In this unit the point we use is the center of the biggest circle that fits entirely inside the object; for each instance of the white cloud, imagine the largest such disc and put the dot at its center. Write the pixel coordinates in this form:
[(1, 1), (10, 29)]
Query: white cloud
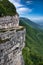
[(29, 2), (16, 0), (23, 10), (36, 19), (17, 4)]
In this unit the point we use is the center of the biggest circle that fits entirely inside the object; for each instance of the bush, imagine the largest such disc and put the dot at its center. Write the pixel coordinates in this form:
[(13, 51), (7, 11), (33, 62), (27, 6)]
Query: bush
[(7, 8)]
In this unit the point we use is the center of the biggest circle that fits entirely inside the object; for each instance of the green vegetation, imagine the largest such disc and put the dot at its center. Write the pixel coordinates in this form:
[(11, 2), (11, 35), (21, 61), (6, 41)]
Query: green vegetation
[(32, 58), (33, 51), (7, 8)]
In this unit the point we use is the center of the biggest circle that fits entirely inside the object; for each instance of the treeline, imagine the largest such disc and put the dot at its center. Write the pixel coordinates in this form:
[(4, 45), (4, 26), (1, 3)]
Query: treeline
[(33, 51), (7, 8), (31, 58)]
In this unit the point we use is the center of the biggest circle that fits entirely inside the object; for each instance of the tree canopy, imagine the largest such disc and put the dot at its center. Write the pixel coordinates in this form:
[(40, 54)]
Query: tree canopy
[(7, 8)]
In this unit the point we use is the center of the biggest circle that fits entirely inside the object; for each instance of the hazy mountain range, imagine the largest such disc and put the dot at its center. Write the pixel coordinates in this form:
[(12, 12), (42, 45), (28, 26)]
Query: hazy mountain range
[(33, 51), (38, 25)]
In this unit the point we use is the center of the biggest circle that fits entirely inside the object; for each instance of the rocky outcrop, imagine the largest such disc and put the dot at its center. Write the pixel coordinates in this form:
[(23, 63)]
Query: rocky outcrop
[(9, 21), (12, 41)]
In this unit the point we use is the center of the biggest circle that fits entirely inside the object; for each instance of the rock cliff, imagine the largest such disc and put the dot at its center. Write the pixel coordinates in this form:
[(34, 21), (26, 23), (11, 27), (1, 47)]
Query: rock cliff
[(12, 36)]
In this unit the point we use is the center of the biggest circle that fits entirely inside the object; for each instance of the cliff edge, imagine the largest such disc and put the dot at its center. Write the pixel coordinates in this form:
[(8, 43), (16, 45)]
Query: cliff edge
[(12, 36)]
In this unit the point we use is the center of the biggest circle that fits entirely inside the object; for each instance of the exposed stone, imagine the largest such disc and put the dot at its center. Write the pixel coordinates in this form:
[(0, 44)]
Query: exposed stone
[(11, 50)]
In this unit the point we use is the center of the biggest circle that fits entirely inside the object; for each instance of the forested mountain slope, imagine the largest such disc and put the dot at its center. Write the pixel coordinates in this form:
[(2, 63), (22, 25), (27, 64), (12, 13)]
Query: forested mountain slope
[(33, 51)]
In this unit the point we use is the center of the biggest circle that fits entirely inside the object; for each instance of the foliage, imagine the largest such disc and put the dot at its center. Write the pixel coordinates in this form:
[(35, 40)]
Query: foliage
[(33, 52), (7, 8), (31, 58)]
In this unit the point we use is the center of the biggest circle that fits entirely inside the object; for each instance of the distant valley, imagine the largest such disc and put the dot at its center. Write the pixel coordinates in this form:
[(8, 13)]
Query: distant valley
[(33, 51), (33, 24), (41, 24)]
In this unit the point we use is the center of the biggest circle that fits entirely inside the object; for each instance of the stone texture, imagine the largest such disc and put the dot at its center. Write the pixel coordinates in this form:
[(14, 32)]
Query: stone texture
[(11, 50)]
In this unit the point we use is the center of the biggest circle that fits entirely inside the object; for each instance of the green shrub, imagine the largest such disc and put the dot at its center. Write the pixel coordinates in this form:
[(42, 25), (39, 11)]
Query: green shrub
[(7, 8)]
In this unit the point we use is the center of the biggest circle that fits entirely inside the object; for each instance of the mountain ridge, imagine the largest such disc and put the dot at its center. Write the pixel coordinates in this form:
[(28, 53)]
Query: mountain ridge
[(31, 23), (33, 51)]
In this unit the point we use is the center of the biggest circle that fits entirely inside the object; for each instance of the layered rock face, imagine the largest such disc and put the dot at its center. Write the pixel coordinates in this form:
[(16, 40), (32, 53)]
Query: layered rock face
[(9, 21), (12, 41)]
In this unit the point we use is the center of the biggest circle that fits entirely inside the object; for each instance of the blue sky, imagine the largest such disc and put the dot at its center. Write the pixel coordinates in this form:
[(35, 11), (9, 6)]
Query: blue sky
[(32, 9)]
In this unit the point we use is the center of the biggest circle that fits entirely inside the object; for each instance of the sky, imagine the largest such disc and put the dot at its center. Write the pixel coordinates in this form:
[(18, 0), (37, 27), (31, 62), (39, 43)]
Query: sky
[(31, 9)]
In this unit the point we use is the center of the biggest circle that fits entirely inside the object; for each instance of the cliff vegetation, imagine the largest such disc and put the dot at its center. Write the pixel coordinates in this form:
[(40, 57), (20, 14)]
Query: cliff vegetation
[(7, 8)]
